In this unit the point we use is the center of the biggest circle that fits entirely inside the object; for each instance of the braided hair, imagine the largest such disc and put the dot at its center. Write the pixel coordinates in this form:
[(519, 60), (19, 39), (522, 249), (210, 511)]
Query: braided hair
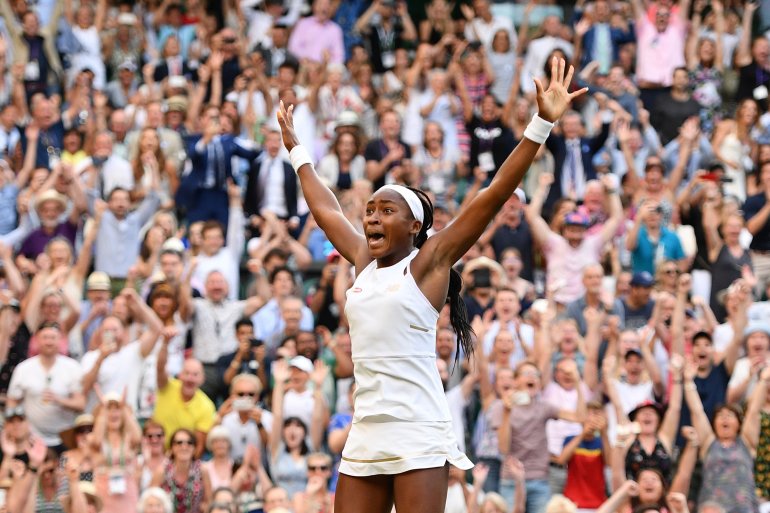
[(458, 313)]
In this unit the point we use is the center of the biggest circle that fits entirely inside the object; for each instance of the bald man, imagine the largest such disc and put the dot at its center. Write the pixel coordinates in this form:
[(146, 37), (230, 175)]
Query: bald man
[(593, 276), (181, 403)]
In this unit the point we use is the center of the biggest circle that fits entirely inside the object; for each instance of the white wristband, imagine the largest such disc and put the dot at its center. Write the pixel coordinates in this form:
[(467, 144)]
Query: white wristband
[(299, 156), (538, 129)]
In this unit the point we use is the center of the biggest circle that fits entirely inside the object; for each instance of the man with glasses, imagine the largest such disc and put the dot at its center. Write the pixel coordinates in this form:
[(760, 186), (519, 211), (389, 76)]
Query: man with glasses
[(317, 491), (244, 416)]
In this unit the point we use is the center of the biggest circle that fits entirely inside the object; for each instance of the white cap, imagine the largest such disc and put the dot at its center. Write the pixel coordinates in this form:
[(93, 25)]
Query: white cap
[(302, 363)]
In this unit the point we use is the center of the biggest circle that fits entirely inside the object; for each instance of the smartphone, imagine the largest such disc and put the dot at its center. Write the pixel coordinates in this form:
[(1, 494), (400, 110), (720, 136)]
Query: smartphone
[(255, 342), (243, 404), (711, 177), (521, 398)]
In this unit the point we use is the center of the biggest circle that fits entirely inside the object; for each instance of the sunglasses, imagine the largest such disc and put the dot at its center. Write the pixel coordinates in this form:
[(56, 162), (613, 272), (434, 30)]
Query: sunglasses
[(246, 394), (83, 430), (318, 468), (184, 442), (154, 436), (671, 271)]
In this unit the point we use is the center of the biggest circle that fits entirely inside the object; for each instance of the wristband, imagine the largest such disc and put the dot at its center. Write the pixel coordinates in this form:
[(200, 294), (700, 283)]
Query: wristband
[(538, 129), (299, 156)]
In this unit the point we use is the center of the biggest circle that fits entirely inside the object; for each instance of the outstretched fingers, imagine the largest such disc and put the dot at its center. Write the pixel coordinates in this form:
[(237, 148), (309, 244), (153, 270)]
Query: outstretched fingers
[(577, 93), (560, 76), (568, 79)]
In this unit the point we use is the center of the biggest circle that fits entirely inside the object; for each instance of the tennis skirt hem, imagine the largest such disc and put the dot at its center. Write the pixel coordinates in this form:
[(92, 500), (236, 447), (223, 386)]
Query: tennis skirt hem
[(376, 448)]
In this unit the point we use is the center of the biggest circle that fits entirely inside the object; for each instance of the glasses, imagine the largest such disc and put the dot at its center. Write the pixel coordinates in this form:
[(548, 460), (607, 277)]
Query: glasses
[(245, 394), (184, 442), (318, 468), (154, 436), (83, 430), (671, 271)]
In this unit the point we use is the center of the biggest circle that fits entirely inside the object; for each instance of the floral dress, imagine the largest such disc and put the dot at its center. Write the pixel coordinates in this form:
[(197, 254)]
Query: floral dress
[(187, 496), (705, 83), (728, 478), (762, 461)]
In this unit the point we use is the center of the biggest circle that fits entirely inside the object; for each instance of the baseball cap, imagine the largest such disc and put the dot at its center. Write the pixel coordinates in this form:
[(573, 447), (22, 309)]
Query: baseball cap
[(756, 327), (642, 279), (127, 64), (302, 363), (576, 219)]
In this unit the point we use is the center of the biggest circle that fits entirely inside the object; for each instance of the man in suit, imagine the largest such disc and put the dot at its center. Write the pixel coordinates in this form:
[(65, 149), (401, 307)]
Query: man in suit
[(173, 64), (270, 173), (204, 189), (573, 155), (597, 40)]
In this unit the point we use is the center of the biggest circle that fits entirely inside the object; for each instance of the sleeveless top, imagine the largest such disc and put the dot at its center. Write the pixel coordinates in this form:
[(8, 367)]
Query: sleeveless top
[(728, 478), (637, 460), (289, 473), (393, 337), (762, 461), (187, 496), (725, 270)]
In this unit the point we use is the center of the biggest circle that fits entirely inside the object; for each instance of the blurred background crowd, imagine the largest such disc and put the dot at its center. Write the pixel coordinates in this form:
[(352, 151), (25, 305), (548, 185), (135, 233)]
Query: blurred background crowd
[(172, 327)]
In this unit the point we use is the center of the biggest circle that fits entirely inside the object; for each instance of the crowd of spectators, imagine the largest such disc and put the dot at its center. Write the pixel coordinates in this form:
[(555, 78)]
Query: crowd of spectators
[(172, 326)]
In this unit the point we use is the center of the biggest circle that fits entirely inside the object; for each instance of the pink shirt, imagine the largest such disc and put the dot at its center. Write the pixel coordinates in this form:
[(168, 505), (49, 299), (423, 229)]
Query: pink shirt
[(310, 39), (565, 265), (658, 54)]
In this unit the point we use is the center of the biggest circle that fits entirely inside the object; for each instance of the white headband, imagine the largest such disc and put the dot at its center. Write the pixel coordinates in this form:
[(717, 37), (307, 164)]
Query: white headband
[(415, 205)]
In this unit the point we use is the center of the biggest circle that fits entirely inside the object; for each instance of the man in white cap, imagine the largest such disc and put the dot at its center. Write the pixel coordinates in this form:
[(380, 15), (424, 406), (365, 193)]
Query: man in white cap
[(50, 206), (124, 86), (96, 306)]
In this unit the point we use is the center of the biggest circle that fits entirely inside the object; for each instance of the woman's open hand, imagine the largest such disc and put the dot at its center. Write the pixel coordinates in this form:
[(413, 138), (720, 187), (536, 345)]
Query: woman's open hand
[(554, 101), (286, 122)]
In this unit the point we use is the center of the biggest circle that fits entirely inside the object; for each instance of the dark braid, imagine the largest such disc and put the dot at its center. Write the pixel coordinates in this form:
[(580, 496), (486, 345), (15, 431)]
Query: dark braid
[(458, 313)]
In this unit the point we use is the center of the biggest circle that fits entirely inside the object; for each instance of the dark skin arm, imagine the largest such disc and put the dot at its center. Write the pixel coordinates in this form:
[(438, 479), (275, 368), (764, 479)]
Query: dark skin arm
[(431, 266)]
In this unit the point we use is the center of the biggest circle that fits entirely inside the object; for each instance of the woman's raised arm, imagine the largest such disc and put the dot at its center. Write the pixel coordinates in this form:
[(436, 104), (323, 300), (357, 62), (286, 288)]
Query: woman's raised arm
[(450, 244), (323, 204)]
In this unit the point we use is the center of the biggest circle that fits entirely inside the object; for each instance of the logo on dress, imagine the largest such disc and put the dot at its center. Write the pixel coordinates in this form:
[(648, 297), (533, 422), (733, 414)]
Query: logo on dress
[(357, 289)]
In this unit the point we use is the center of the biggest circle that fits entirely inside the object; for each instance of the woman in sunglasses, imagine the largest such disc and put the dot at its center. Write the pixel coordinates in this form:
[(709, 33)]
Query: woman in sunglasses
[(183, 477), (153, 453), (316, 497), (80, 453)]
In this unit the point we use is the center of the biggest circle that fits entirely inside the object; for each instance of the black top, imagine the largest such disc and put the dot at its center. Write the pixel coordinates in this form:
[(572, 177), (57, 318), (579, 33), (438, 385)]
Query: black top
[(520, 238), (669, 114), (694, 218), (761, 240), (490, 137), (751, 77), (376, 150)]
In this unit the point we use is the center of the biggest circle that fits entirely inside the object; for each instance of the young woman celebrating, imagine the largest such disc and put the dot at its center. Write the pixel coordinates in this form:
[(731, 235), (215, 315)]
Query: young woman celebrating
[(401, 441)]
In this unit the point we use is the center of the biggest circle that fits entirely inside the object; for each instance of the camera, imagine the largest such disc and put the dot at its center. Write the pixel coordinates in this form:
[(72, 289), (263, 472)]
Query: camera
[(255, 342)]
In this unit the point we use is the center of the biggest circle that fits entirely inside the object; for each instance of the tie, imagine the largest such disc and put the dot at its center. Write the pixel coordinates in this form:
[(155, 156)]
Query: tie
[(211, 165), (264, 177), (572, 162)]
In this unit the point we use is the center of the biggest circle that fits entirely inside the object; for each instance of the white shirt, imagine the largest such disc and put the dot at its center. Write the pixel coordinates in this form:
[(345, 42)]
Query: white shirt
[(119, 372), (537, 53), (742, 372), (116, 172), (525, 331), (245, 434), (300, 405), (573, 182), (271, 180), (28, 382), (226, 260), (630, 397), (214, 328), (485, 32), (457, 403)]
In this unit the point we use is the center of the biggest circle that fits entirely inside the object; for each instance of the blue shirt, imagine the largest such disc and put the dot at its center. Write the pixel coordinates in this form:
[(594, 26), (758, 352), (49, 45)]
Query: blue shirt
[(8, 208), (647, 254), (338, 421)]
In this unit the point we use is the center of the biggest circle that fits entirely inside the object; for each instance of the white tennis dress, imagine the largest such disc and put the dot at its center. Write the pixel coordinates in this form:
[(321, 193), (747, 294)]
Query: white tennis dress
[(401, 420)]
